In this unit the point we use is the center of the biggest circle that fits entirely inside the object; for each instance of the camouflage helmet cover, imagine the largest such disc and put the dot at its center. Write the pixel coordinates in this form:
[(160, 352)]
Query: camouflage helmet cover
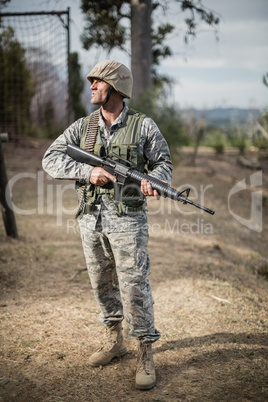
[(115, 74)]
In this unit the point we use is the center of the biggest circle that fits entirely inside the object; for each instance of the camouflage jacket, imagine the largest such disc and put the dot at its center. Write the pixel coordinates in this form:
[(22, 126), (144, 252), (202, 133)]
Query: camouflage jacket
[(153, 146)]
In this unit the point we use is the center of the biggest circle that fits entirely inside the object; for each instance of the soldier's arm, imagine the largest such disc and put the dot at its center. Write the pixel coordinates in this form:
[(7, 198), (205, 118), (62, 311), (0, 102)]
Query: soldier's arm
[(58, 164), (156, 151)]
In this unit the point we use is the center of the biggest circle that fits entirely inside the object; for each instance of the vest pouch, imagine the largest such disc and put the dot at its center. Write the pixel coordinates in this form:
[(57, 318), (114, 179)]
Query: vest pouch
[(133, 154), (124, 151), (115, 149), (99, 150), (132, 194)]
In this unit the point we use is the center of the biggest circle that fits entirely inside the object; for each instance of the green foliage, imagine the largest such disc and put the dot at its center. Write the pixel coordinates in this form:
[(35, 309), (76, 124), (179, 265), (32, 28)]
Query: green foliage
[(49, 115), (239, 141), (263, 121), (260, 141), (195, 9), (76, 86), (14, 104), (153, 104), (158, 38), (104, 27), (3, 3), (160, 51), (40, 132), (50, 124), (217, 140)]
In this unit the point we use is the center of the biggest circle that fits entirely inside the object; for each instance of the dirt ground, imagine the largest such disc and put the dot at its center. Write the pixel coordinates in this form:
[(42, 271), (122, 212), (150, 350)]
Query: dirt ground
[(208, 277)]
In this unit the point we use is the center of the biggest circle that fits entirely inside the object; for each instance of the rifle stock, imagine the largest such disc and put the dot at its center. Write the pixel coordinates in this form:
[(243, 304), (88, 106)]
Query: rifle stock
[(123, 171)]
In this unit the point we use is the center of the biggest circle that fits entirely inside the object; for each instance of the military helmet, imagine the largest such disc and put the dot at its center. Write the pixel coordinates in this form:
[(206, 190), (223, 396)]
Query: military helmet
[(115, 74)]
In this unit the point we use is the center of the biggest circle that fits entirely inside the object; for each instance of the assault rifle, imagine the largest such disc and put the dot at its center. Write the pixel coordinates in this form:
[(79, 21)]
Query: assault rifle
[(123, 169)]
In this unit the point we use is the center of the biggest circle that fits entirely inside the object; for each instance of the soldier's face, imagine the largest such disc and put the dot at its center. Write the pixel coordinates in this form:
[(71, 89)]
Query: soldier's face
[(99, 92)]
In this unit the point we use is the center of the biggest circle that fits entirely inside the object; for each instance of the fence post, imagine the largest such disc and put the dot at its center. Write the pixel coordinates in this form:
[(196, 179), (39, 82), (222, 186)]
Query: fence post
[(7, 212)]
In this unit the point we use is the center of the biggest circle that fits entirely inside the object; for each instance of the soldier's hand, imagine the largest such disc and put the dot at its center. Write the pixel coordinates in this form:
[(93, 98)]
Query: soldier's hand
[(100, 177), (147, 190)]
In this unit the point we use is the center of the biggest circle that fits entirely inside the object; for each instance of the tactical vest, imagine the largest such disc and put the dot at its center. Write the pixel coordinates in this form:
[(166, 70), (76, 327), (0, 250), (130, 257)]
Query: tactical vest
[(125, 143)]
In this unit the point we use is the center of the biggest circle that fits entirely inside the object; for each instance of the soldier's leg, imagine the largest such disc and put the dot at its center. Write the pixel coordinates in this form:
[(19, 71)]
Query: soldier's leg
[(129, 246), (130, 251), (102, 272), (101, 268)]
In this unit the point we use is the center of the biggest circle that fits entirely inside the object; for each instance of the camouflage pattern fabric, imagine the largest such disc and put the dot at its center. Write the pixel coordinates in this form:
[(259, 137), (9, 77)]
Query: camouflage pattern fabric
[(117, 258)]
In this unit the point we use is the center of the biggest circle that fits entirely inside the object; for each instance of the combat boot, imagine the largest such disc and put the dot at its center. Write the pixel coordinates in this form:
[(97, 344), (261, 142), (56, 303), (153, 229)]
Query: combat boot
[(113, 347), (145, 374)]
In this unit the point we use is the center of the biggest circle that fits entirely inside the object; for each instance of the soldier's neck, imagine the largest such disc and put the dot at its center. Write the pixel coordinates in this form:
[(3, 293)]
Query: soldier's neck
[(111, 111)]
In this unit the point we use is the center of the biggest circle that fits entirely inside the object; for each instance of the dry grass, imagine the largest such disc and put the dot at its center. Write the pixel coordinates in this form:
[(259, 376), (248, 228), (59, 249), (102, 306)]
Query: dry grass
[(210, 299)]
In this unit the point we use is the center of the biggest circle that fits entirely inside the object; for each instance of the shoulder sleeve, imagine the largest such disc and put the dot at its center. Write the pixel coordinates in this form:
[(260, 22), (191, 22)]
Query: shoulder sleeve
[(156, 151), (58, 164)]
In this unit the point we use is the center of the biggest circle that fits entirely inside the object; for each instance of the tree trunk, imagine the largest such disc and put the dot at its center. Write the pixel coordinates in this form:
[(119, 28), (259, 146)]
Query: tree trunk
[(141, 45), (7, 212)]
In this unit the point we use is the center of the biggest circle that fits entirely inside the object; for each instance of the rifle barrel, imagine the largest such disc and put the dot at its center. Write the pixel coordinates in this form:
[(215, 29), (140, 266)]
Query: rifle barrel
[(165, 190)]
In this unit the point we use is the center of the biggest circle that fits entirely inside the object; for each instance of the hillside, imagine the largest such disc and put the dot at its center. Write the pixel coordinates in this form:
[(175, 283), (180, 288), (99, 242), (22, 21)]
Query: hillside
[(224, 117)]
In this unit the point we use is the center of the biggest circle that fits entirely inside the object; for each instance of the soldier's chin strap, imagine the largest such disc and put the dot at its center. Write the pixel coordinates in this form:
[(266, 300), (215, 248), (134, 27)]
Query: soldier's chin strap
[(108, 94)]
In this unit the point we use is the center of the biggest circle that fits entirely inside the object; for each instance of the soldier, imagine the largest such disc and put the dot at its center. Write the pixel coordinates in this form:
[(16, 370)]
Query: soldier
[(115, 234)]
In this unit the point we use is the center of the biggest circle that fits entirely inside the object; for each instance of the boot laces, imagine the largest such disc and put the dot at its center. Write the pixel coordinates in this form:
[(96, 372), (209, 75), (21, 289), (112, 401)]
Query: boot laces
[(144, 359), (109, 344)]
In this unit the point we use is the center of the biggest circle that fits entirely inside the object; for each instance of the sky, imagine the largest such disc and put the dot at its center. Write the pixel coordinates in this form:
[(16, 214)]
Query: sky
[(207, 73)]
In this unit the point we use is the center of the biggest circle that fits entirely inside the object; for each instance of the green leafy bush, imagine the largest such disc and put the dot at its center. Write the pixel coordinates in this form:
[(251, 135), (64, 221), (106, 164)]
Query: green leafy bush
[(241, 142), (216, 140), (166, 116)]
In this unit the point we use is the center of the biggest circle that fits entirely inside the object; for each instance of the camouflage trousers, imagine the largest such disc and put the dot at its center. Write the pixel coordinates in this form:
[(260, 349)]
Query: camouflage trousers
[(117, 259)]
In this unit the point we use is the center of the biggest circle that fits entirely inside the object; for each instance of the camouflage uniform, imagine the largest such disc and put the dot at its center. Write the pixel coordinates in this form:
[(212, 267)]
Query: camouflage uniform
[(115, 246)]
